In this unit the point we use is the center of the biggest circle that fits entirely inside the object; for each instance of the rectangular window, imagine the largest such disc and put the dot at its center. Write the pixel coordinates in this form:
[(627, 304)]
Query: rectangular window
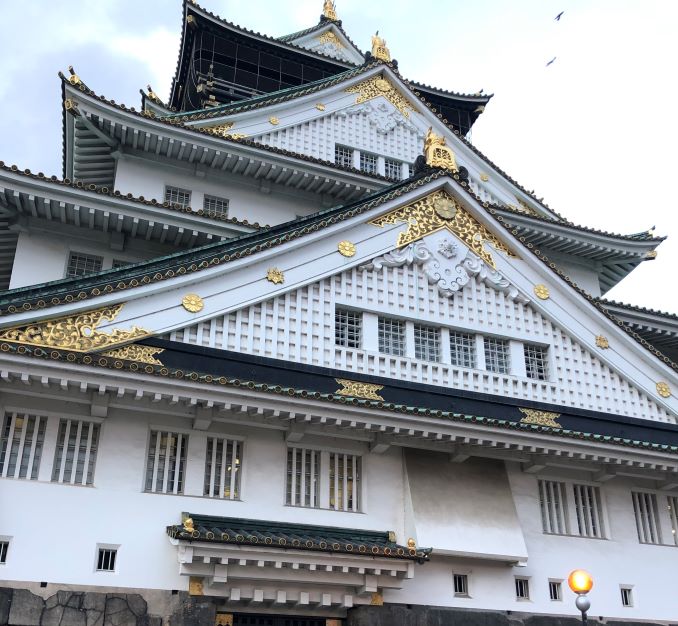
[(215, 207), (536, 361), (555, 590), (175, 196), (21, 445), (587, 506), (391, 336), (120, 263), (626, 596), (673, 514), (4, 547), (76, 452), (344, 471), (368, 163), (80, 264), (393, 169), (497, 355), (522, 589), (461, 585), (303, 477), (223, 463), (348, 326), (106, 560), (552, 502), (647, 517), (343, 156), (166, 462), (462, 349), (426, 343)]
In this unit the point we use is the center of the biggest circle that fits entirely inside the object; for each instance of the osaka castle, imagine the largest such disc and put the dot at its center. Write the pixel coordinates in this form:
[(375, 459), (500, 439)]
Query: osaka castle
[(286, 349)]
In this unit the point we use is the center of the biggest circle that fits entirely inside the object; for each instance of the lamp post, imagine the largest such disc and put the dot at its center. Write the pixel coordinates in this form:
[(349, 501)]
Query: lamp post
[(580, 582)]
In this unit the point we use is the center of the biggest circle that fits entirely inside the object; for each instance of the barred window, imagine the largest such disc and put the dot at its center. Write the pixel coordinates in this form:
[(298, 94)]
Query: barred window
[(589, 511), (303, 477), (555, 590), (80, 264), (344, 471), (343, 156), (393, 169), (21, 445), (626, 596), (223, 463), (461, 584), (647, 517), (522, 589), (536, 361), (106, 559), (215, 207), (426, 342), (391, 336), (348, 326), (368, 162), (462, 349), (497, 355), (178, 197), (4, 547), (553, 505), (673, 514), (76, 452), (166, 462)]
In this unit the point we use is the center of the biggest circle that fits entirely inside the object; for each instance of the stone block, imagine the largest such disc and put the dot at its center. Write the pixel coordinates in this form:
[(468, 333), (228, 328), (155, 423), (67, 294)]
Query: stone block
[(118, 612), (52, 616), (195, 612), (95, 617), (75, 601), (94, 601), (63, 597), (73, 617), (5, 603), (26, 609), (137, 604)]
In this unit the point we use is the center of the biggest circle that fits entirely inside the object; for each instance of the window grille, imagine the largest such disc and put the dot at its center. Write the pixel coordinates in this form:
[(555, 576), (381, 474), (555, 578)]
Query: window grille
[(626, 596), (223, 463), (522, 589), (497, 355), (552, 501), (555, 590), (536, 361), (303, 477), (647, 517), (178, 197), (461, 585), (391, 336), (106, 559), (166, 462), (368, 163), (348, 328), (426, 343), (673, 514), (76, 452), (80, 264), (589, 511), (21, 445), (4, 547), (462, 349), (343, 156), (120, 263), (215, 207), (393, 169), (344, 473)]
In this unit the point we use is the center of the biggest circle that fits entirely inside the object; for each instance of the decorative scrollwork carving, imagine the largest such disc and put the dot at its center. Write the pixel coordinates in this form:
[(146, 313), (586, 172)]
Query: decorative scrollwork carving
[(331, 38), (135, 352), (540, 418), (379, 86), (359, 390)]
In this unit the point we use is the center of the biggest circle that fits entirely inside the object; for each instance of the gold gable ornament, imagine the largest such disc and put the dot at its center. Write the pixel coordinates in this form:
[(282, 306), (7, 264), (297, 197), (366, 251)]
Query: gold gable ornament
[(437, 153), (379, 48)]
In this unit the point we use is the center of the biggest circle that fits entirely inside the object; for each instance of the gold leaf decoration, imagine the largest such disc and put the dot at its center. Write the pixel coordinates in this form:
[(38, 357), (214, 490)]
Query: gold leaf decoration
[(426, 216), (438, 154), (379, 86), (274, 120), (359, 390), (484, 177), (275, 275), (602, 342), (542, 292), (330, 37), (540, 418), (221, 130), (320, 106), (664, 390), (346, 248), (195, 583), (74, 332), (330, 10), (377, 599), (137, 353), (192, 302)]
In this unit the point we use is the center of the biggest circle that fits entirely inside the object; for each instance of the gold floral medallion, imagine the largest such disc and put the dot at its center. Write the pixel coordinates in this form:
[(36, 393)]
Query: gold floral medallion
[(602, 342), (541, 291), (346, 248), (663, 390), (275, 275), (192, 302)]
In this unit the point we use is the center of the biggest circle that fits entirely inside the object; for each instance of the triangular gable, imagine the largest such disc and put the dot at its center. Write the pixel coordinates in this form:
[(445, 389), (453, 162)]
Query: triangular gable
[(329, 40)]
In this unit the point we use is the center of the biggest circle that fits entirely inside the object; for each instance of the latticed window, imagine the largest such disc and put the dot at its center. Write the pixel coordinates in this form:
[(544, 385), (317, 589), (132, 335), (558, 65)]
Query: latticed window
[(80, 264), (303, 477), (522, 589), (223, 463), (178, 197), (76, 452), (21, 445), (647, 517), (348, 327), (391, 336), (497, 355), (368, 162), (462, 349), (343, 156), (393, 169), (120, 263), (536, 361), (344, 471), (589, 510), (166, 462), (106, 559), (426, 343), (215, 207), (553, 505)]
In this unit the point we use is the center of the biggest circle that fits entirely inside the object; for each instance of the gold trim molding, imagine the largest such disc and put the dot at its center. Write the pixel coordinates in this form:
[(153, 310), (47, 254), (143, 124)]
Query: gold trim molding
[(358, 390), (74, 332), (437, 211), (380, 86), (539, 418), (137, 353)]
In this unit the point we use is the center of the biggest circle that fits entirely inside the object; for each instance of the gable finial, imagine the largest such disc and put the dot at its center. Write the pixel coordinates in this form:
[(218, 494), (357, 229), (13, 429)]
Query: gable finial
[(330, 10), (379, 48), (437, 153)]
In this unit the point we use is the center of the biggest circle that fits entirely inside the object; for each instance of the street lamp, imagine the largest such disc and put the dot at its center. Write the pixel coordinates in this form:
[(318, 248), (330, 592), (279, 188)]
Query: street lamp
[(580, 582)]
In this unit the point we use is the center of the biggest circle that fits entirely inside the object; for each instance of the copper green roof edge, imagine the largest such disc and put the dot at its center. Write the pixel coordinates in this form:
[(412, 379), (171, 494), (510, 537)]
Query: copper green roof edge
[(97, 360)]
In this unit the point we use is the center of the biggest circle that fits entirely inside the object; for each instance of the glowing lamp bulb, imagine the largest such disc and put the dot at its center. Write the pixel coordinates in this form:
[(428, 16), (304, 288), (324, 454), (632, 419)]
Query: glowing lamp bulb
[(580, 581)]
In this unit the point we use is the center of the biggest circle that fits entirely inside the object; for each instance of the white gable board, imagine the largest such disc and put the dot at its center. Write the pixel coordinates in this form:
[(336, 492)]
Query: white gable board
[(331, 42)]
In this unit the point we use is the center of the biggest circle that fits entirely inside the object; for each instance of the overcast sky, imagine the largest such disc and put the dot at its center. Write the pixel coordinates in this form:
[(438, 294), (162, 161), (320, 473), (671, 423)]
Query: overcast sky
[(595, 133)]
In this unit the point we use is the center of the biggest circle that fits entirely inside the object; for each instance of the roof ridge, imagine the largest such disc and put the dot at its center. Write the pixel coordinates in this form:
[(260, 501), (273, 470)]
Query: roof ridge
[(636, 307)]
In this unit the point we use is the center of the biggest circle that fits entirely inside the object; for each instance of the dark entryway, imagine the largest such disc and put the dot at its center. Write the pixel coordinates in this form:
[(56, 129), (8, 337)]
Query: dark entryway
[(273, 620)]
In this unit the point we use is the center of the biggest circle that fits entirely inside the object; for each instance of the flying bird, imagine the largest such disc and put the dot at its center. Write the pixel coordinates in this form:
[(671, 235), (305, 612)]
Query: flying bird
[(559, 16), (551, 61)]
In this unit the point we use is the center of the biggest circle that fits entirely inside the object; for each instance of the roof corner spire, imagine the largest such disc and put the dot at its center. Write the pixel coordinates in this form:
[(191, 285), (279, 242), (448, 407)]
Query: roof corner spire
[(74, 79), (330, 10), (437, 153), (379, 48)]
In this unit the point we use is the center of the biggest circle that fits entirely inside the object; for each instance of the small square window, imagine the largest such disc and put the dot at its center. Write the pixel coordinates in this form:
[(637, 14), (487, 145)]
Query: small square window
[(555, 590), (522, 589), (461, 585), (462, 349), (178, 197), (80, 264), (536, 361), (343, 156), (106, 559), (391, 336), (120, 263), (426, 343), (626, 596), (4, 547), (215, 207), (348, 328), (368, 163), (497, 355), (393, 169)]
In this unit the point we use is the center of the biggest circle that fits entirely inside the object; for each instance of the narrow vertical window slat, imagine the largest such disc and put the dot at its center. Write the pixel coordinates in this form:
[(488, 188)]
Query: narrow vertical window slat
[(213, 485), (76, 453), (234, 464), (9, 444), (294, 502), (344, 483), (177, 464), (64, 454), (88, 454), (39, 423), (314, 478), (20, 450)]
